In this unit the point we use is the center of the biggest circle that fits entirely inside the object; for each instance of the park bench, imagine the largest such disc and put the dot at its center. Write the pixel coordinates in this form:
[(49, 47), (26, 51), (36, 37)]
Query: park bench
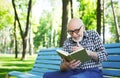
[(111, 67), (48, 60)]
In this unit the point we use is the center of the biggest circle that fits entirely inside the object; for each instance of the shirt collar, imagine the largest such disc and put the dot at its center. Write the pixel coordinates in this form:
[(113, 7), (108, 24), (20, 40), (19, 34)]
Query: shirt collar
[(85, 34)]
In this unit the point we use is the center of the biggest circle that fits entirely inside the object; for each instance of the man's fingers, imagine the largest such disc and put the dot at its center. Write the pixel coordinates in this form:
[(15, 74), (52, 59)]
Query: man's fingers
[(77, 63), (74, 64)]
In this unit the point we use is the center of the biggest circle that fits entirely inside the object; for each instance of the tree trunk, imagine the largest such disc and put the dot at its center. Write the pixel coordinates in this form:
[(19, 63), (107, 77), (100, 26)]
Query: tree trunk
[(16, 18), (103, 23), (99, 17), (30, 41), (71, 3), (15, 37), (24, 41), (116, 23), (64, 21), (23, 35)]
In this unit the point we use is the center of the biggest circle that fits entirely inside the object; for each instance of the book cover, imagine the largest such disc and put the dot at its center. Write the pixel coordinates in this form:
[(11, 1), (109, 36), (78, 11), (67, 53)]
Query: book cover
[(78, 55)]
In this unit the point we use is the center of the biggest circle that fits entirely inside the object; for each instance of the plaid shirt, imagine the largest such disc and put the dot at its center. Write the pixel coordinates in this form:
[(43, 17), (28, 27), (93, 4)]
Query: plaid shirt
[(91, 41)]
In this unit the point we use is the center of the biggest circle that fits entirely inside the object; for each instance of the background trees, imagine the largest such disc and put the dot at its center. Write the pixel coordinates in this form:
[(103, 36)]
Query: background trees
[(24, 30), (47, 26), (6, 21)]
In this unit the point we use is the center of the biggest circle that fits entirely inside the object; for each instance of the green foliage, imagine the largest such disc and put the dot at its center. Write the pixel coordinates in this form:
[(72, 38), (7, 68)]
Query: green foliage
[(6, 21), (46, 35), (22, 8), (110, 19), (6, 16), (43, 31), (87, 12)]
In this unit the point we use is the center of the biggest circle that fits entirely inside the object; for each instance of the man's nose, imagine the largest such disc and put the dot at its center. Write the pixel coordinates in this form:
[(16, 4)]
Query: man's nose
[(74, 34)]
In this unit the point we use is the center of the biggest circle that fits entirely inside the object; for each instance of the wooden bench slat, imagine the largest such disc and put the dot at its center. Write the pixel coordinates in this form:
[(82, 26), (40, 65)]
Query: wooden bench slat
[(47, 66), (40, 72), (113, 51), (111, 64), (112, 72), (112, 45), (47, 49), (49, 57), (24, 75), (43, 70), (114, 58), (48, 62), (48, 53), (36, 72)]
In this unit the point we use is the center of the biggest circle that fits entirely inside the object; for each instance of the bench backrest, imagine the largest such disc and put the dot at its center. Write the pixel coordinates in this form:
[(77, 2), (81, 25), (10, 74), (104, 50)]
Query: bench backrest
[(111, 67), (48, 60)]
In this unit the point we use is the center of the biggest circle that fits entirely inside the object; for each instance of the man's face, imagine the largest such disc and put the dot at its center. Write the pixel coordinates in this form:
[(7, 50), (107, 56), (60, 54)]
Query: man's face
[(76, 31)]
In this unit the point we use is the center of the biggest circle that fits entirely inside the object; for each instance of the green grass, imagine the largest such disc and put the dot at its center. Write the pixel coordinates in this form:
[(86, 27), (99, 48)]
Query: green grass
[(9, 63)]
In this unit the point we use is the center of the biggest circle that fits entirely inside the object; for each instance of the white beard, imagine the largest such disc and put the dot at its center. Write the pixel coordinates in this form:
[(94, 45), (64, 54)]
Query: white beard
[(80, 39)]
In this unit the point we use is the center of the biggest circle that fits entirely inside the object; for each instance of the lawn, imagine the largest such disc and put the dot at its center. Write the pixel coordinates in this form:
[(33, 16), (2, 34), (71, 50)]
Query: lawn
[(9, 63)]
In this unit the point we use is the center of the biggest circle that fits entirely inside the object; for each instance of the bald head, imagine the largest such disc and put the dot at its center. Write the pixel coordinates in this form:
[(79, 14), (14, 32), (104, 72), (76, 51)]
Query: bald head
[(75, 22)]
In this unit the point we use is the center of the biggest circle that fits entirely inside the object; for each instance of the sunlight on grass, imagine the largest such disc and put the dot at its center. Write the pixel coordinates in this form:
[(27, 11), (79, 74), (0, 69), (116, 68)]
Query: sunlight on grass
[(9, 63)]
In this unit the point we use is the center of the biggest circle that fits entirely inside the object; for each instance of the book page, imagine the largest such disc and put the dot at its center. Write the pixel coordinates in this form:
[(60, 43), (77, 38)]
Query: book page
[(77, 51), (63, 52)]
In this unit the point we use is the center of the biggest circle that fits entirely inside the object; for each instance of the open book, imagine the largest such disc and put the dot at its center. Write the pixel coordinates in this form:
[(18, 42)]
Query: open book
[(78, 55)]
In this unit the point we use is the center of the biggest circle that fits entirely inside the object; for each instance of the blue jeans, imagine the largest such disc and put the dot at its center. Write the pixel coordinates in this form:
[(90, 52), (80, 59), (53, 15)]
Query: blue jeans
[(76, 73)]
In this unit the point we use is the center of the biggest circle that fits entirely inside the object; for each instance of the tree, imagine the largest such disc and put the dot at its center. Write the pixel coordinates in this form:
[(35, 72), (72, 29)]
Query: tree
[(109, 24), (88, 14), (99, 16), (47, 32), (103, 21), (30, 41), (6, 21), (15, 38), (5, 14), (23, 33), (64, 21), (71, 3), (116, 23), (44, 31)]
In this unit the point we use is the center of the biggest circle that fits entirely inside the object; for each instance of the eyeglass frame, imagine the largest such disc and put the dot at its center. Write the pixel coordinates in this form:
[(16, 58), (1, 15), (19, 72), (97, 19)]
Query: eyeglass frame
[(75, 31)]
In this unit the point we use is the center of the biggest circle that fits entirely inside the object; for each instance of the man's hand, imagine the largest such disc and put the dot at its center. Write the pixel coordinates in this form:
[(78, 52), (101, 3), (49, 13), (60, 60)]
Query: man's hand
[(64, 66), (74, 48), (93, 55), (69, 65), (74, 64)]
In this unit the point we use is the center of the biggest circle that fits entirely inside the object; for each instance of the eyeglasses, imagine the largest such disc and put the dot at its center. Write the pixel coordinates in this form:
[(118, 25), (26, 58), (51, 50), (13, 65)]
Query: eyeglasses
[(74, 31)]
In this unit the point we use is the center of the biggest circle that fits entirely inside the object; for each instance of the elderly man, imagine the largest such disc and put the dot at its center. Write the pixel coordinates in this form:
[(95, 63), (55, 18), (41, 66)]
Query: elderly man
[(80, 38)]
